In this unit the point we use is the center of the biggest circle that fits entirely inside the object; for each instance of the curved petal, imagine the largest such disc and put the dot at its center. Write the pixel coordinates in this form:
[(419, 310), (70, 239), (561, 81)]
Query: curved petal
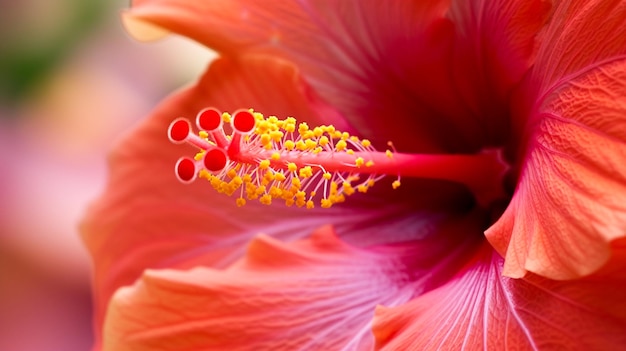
[(570, 201), (371, 59), (482, 310), (147, 219), (316, 294)]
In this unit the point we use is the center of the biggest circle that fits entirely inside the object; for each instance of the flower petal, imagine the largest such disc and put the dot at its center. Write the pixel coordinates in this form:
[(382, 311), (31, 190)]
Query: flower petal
[(318, 293), (482, 310), (570, 201), (371, 59), (147, 219)]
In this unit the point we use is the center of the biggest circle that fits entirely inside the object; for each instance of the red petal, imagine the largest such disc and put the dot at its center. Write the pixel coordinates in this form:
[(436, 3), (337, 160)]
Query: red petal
[(317, 294), (436, 78), (482, 310), (570, 201)]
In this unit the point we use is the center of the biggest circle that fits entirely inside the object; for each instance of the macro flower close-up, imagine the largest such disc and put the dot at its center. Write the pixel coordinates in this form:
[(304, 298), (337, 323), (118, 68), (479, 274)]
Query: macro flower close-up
[(372, 175)]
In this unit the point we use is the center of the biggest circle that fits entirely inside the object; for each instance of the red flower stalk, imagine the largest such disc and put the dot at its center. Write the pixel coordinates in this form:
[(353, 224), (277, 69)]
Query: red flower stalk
[(454, 86)]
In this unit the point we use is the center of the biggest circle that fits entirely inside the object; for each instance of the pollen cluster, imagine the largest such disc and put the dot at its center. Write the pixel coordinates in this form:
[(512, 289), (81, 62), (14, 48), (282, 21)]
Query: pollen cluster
[(271, 159)]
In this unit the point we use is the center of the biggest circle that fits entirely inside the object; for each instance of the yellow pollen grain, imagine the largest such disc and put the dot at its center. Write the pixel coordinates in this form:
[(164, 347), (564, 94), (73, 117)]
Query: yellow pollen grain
[(306, 172), (369, 163), (265, 164), (199, 156), (341, 145), (290, 145), (359, 161), (389, 154), (203, 134), (226, 117), (279, 177), (395, 184), (323, 141), (303, 128), (266, 199)]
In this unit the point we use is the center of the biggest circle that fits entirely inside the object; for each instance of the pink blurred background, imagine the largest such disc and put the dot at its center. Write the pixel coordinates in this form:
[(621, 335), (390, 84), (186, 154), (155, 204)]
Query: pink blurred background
[(71, 81)]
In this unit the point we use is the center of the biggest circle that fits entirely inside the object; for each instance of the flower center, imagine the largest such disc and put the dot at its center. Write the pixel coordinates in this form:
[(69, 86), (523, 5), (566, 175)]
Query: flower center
[(268, 159)]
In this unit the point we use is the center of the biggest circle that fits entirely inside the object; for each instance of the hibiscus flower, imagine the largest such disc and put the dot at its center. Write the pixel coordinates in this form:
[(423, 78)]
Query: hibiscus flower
[(439, 263)]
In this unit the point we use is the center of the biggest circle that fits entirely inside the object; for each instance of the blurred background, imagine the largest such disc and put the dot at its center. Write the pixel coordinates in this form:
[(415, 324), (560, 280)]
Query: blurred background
[(71, 81)]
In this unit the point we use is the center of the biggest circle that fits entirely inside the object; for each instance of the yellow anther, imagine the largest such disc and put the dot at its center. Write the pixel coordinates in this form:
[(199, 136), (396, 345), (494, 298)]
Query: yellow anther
[(317, 132), (265, 164), (345, 136), (359, 161), (336, 134), (303, 128), (269, 176), (199, 156), (326, 203), (323, 141), (310, 144), (204, 174), (279, 176), (226, 117), (347, 188), (317, 150), (203, 134), (329, 129), (266, 199), (389, 154), (395, 184), (276, 135), (266, 140), (291, 167), (310, 204), (369, 163), (306, 172), (237, 181), (354, 139), (366, 143), (231, 173), (327, 176), (295, 182), (341, 145), (241, 202), (289, 145), (300, 145), (362, 188), (350, 152)]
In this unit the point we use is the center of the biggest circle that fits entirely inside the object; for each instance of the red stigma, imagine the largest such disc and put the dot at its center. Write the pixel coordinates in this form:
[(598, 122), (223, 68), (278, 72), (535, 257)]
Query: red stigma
[(185, 170), (209, 119), (215, 160), (179, 130), (243, 121)]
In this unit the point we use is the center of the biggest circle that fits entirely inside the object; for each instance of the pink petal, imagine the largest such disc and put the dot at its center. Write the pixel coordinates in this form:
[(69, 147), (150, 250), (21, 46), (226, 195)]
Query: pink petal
[(316, 294), (570, 201), (146, 219), (482, 310), (436, 78)]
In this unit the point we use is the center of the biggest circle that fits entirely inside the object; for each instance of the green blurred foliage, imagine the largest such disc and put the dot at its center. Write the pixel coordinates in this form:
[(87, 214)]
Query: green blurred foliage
[(36, 36)]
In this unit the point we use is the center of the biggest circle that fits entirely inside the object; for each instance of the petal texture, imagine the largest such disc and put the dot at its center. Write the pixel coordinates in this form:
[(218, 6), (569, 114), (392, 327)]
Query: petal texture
[(570, 201), (428, 70), (314, 294), (482, 310)]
